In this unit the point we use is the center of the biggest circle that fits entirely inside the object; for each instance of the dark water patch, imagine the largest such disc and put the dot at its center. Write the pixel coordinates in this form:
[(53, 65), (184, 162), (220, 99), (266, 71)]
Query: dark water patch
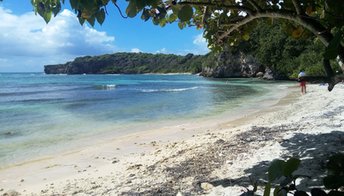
[(73, 106), (18, 93), (9, 134), (38, 100)]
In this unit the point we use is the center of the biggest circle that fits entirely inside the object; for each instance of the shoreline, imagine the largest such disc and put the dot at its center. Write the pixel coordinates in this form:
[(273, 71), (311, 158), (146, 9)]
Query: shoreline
[(227, 110), (168, 125), (138, 143), (183, 157)]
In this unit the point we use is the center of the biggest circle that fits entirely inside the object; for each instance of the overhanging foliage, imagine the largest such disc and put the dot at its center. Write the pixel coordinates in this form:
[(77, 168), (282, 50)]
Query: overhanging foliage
[(225, 21)]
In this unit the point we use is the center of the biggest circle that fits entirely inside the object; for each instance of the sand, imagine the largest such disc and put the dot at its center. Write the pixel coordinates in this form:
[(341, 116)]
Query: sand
[(211, 157)]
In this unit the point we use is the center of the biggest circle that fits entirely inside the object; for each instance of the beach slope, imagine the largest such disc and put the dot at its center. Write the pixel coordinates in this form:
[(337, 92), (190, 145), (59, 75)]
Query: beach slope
[(214, 157)]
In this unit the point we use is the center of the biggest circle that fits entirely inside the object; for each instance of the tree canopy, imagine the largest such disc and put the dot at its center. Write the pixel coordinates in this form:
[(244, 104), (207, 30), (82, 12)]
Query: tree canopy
[(226, 22)]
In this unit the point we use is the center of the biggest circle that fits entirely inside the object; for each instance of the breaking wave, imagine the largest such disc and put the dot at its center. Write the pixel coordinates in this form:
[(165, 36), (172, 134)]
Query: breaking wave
[(168, 90)]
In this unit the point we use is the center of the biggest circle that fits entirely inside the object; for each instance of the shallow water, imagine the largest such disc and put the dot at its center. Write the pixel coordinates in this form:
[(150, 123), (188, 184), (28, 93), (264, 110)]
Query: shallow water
[(40, 113)]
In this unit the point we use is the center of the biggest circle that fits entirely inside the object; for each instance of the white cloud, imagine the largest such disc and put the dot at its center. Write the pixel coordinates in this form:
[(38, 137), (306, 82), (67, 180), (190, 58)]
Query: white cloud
[(162, 51), (201, 45), (28, 43), (135, 50)]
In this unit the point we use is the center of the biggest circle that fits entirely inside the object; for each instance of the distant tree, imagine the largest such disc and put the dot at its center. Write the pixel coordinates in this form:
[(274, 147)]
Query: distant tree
[(226, 21)]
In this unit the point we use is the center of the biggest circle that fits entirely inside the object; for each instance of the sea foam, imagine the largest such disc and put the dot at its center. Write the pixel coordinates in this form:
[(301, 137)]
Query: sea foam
[(106, 87), (168, 90)]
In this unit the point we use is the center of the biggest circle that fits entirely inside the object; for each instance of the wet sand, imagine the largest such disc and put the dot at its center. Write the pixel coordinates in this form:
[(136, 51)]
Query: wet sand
[(214, 156)]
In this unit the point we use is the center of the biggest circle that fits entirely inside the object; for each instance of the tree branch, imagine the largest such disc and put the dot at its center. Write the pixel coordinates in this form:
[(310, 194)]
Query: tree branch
[(312, 25), (205, 15), (211, 4), (297, 6), (332, 78)]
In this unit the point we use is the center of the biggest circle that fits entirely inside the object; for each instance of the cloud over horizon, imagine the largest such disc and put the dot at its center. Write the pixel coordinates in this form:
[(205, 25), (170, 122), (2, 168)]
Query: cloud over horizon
[(27, 43), (201, 44), (135, 50)]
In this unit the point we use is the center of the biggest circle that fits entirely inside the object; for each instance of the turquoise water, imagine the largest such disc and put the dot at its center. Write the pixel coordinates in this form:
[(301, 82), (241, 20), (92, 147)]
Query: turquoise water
[(39, 113)]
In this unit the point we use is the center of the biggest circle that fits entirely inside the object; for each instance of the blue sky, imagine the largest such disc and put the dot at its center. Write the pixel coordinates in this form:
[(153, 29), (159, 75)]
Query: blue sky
[(27, 43)]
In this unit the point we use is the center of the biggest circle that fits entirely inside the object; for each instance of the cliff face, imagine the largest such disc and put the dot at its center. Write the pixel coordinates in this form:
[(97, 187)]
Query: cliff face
[(223, 65), (230, 65), (129, 63), (56, 69)]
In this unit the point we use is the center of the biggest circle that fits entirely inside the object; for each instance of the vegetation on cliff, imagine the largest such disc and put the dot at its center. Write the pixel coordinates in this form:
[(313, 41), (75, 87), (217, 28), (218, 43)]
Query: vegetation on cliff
[(270, 46), (227, 22), (130, 63), (273, 47)]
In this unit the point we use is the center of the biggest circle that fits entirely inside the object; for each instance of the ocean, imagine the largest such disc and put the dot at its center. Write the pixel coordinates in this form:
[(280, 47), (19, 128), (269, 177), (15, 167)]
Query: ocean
[(41, 114)]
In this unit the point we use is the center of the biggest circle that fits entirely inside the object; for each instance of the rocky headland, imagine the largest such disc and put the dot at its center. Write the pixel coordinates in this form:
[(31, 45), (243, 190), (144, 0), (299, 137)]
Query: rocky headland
[(223, 65)]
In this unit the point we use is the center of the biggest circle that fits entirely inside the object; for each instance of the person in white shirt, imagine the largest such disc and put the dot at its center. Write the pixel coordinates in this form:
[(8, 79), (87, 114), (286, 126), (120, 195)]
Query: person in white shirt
[(302, 81)]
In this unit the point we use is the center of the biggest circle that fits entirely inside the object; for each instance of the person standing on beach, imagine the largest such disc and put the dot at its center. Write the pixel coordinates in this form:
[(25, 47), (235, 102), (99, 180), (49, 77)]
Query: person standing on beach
[(302, 81)]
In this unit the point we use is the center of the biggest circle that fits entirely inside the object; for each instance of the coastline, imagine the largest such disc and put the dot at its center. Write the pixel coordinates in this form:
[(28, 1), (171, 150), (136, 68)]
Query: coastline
[(167, 159)]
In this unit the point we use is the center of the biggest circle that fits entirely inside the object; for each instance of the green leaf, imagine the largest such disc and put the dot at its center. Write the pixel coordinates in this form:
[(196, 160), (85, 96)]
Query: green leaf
[(150, 2), (145, 15), (276, 169), (267, 189), (173, 17), (100, 16), (162, 12), (162, 23), (89, 5), (156, 21), (291, 165), (175, 9), (81, 20), (140, 4), (131, 9), (57, 8), (181, 25), (185, 13), (91, 20), (46, 16), (74, 4), (105, 2), (332, 50), (246, 36)]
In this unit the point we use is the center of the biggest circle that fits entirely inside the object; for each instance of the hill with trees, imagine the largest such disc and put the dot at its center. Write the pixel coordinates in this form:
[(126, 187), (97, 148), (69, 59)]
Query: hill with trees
[(227, 23), (129, 63), (269, 48)]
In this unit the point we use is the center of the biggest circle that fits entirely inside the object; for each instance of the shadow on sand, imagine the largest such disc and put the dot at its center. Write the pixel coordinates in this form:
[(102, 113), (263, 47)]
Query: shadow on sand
[(313, 150)]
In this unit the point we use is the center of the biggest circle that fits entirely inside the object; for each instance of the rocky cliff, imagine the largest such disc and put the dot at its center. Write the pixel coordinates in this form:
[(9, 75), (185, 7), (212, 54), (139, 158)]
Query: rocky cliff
[(222, 65), (230, 65), (129, 63)]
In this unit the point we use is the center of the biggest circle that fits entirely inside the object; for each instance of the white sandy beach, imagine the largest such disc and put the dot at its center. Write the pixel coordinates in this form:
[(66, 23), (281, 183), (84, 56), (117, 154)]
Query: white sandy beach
[(214, 157)]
